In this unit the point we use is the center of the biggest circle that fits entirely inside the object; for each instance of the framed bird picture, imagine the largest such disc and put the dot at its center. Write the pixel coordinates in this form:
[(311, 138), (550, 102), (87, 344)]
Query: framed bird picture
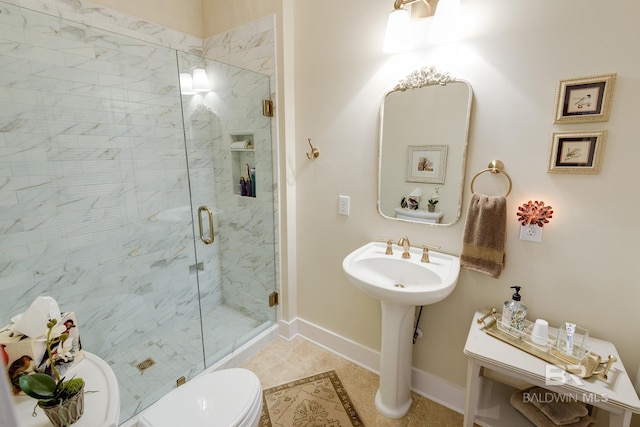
[(577, 152), (585, 100)]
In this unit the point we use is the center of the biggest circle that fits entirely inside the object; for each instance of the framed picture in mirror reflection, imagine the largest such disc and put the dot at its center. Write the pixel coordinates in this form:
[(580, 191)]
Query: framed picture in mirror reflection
[(426, 163), (577, 152)]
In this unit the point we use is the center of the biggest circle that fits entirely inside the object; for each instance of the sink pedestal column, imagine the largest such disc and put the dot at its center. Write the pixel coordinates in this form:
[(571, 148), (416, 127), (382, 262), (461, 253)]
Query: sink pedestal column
[(393, 398)]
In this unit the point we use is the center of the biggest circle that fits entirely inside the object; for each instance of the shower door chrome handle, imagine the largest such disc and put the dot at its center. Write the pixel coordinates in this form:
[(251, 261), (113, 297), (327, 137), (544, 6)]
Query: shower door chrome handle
[(206, 241)]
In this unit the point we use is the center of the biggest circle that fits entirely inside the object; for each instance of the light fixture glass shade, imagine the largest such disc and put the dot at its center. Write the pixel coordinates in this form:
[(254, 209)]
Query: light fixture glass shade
[(396, 37), (186, 84), (200, 80)]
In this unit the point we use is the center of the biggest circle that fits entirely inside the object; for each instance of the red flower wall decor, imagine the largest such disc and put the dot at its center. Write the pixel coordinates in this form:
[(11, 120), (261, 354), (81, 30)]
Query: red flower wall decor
[(534, 213)]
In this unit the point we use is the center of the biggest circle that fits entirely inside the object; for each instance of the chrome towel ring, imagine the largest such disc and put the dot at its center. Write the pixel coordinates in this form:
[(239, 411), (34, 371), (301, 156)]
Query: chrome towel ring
[(495, 166)]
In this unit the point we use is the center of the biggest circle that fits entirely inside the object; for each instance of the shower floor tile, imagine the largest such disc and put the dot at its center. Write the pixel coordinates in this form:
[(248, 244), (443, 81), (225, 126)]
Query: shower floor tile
[(175, 348)]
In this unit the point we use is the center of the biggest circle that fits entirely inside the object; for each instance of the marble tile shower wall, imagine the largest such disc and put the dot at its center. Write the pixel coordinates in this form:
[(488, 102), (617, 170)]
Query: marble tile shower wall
[(96, 209), (250, 46), (244, 225), (98, 16), (91, 155)]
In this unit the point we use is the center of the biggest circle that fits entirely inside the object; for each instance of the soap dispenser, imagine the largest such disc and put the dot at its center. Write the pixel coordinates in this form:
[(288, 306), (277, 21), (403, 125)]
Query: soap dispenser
[(514, 314)]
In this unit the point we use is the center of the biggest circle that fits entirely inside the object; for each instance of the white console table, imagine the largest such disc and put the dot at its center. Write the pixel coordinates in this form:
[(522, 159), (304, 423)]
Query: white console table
[(487, 400)]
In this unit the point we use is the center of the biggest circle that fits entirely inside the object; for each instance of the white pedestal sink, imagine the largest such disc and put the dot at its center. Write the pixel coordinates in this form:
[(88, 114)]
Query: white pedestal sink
[(400, 284)]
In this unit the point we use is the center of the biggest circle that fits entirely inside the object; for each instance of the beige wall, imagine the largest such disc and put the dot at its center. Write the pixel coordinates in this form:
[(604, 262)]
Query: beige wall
[(181, 15), (223, 15), (513, 55), (200, 18)]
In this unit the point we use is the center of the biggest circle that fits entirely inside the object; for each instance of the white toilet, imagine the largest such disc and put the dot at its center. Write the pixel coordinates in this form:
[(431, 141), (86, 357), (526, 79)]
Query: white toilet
[(225, 398)]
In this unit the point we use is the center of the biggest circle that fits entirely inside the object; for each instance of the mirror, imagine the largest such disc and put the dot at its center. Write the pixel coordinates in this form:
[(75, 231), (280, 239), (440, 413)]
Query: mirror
[(424, 127)]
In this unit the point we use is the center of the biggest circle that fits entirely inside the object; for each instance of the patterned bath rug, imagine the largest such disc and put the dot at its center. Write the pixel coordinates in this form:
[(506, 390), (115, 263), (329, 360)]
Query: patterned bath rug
[(316, 401)]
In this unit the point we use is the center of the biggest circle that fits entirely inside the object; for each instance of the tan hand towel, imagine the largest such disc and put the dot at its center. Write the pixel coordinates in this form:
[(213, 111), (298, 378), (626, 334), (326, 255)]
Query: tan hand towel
[(559, 408), (484, 235), (537, 417)]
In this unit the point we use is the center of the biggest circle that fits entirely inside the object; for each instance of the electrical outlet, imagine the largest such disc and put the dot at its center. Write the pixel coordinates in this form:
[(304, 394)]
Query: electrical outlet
[(344, 205), (531, 233), (418, 334)]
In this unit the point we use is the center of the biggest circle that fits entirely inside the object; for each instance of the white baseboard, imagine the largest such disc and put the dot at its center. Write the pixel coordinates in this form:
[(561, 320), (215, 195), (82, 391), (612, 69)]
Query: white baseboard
[(288, 330), (438, 390), (344, 347), (423, 383)]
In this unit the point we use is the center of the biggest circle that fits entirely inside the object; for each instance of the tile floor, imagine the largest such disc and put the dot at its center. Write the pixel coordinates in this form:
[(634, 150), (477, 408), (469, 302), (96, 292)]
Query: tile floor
[(283, 361)]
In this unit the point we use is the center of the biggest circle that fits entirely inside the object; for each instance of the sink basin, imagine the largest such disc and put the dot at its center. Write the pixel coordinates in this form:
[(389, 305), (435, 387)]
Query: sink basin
[(400, 284), (398, 280)]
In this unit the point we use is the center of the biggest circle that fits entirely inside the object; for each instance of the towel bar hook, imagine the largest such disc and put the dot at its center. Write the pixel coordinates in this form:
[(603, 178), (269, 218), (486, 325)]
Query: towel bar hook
[(495, 166), (314, 151)]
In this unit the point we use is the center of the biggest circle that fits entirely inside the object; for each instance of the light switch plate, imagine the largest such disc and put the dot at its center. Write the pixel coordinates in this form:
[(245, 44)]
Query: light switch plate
[(344, 205), (531, 233)]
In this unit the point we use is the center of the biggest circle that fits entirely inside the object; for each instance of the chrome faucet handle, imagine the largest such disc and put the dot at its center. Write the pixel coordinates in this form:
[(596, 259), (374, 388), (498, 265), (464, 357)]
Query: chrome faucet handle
[(389, 241)]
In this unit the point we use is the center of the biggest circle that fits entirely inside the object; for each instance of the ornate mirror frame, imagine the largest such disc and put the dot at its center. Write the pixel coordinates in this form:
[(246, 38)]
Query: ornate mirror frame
[(441, 132)]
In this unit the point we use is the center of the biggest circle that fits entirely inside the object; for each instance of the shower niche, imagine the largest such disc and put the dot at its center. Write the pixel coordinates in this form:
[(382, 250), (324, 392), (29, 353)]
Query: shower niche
[(243, 171)]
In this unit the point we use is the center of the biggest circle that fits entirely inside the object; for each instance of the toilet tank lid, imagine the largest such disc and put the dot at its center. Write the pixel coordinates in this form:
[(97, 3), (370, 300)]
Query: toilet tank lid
[(222, 398)]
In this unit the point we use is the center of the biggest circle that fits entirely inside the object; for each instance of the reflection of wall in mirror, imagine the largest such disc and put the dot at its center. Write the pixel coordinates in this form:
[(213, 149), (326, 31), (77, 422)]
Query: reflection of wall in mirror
[(432, 115)]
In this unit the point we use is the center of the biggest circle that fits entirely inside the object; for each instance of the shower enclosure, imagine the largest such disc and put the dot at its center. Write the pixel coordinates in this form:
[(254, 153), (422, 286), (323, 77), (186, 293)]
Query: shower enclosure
[(113, 185)]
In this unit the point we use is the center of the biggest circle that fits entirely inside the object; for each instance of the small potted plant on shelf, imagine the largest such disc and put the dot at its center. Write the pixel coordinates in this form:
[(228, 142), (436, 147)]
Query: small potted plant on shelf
[(433, 201), (62, 401)]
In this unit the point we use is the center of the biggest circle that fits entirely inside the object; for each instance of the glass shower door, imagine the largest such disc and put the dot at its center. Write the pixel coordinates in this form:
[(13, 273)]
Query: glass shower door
[(95, 202), (228, 138), (94, 196)]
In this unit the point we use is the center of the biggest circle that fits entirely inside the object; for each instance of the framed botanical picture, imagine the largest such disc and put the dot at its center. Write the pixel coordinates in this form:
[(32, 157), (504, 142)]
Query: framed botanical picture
[(577, 152), (585, 100), (426, 163)]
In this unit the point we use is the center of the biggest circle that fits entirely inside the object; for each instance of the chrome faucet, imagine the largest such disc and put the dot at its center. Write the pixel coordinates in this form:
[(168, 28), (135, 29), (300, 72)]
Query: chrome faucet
[(406, 245)]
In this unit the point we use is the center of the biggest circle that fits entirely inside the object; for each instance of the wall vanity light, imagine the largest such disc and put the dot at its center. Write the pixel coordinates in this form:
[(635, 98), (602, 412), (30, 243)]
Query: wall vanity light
[(397, 36), (196, 83), (402, 34)]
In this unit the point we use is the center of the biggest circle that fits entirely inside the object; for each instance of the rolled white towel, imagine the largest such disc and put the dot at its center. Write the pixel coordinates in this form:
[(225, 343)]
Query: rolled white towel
[(241, 144)]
